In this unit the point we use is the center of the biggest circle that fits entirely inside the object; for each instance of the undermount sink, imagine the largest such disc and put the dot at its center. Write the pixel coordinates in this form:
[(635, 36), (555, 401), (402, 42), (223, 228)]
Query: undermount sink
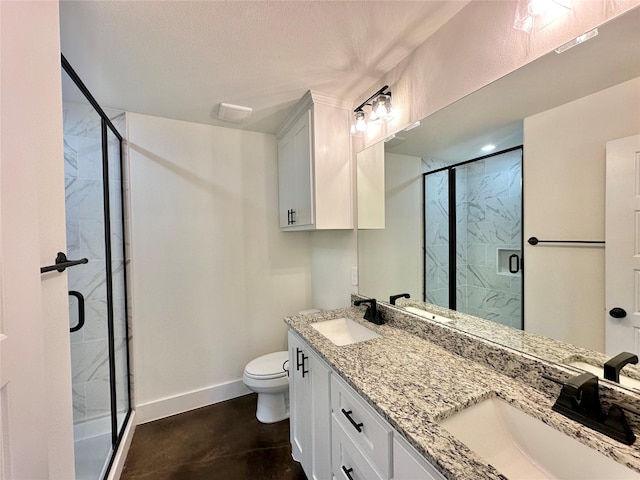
[(428, 315), (599, 371), (520, 446), (343, 331)]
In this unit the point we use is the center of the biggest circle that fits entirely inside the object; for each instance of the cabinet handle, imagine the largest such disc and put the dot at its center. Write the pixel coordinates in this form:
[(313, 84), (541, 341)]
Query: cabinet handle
[(298, 363), (301, 363), (304, 358), (357, 426), (289, 217), (347, 472), (293, 217)]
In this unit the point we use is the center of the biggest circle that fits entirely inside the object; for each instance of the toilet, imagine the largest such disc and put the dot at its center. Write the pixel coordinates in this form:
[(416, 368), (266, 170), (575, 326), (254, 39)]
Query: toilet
[(266, 375)]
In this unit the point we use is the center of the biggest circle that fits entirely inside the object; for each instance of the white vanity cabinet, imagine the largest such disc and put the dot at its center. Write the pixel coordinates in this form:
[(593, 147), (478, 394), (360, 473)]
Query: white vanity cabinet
[(314, 165), (409, 464), (310, 407), (362, 439), (336, 434)]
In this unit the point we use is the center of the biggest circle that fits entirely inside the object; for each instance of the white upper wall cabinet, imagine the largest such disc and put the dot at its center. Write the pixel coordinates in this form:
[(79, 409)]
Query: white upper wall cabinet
[(314, 165)]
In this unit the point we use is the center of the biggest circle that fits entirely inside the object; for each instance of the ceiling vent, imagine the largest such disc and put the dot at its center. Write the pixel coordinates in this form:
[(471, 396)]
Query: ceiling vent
[(233, 113)]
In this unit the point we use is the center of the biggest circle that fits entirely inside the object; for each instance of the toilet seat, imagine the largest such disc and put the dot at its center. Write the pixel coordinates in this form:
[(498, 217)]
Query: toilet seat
[(268, 366)]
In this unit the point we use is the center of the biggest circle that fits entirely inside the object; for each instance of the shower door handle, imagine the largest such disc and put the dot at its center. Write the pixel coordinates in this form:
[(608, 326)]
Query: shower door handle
[(80, 298), (513, 269)]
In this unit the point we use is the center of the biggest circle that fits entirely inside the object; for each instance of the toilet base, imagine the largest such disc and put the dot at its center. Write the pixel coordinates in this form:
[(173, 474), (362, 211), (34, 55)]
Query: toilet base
[(272, 407)]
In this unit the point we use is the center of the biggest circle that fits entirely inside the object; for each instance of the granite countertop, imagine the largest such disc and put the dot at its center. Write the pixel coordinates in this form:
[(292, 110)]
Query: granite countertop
[(414, 383), (543, 347)]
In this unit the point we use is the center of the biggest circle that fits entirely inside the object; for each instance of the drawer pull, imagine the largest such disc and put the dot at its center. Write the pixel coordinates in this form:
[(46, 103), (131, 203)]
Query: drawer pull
[(357, 426), (347, 472)]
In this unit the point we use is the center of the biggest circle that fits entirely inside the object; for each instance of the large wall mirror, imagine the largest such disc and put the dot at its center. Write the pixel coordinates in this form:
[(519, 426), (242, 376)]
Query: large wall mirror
[(562, 110)]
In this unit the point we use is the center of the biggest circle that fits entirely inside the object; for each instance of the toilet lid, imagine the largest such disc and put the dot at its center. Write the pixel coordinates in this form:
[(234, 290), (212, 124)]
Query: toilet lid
[(269, 365)]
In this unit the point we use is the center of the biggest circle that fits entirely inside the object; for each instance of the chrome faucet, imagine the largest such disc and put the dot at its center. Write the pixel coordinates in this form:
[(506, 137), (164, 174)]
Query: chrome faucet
[(371, 314), (579, 400)]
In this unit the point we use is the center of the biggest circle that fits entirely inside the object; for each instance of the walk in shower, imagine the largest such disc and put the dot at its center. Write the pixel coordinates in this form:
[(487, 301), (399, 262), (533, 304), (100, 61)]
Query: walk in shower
[(97, 289), (473, 237)]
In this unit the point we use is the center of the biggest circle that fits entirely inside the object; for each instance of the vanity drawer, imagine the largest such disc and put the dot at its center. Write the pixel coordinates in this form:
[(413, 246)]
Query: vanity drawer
[(362, 424), (348, 463)]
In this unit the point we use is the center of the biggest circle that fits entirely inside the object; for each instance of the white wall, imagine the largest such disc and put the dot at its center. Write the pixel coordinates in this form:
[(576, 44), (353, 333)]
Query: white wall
[(34, 314), (213, 276), (390, 260), (564, 198)]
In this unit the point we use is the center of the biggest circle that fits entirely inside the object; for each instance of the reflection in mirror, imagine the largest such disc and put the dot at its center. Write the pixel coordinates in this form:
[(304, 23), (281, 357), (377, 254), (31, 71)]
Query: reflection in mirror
[(564, 109), (472, 227)]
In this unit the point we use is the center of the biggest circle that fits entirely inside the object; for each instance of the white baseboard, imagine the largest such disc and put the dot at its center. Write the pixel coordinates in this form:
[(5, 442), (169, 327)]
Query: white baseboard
[(123, 449), (147, 412)]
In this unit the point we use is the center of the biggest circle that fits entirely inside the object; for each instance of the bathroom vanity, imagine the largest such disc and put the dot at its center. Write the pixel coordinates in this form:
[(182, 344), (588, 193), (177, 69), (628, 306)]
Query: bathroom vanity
[(382, 408)]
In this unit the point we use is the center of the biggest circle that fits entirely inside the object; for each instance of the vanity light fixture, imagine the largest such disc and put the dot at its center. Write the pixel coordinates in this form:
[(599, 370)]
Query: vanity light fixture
[(381, 109), (577, 41)]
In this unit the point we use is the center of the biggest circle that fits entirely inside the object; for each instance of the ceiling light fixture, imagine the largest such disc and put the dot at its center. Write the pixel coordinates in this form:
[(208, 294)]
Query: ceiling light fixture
[(577, 41), (533, 15), (488, 147), (381, 109), (412, 126)]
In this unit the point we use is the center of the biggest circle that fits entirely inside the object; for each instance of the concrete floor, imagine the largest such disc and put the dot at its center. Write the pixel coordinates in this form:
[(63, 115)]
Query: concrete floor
[(223, 441)]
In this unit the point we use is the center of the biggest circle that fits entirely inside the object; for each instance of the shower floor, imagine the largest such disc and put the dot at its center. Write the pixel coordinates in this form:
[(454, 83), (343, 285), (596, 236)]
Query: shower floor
[(91, 456)]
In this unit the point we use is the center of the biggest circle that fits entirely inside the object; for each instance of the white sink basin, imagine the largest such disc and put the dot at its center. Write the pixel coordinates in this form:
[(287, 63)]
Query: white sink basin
[(429, 315), (599, 371), (343, 331), (522, 447)]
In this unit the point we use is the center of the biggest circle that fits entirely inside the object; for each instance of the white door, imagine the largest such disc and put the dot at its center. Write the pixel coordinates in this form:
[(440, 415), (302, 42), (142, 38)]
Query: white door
[(622, 253)]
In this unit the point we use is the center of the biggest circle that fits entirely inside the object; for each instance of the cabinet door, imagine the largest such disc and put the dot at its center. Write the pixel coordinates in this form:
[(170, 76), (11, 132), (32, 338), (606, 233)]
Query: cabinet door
[(286, 178), (303, 181), (320, 418), (299, 396), (409, 464)]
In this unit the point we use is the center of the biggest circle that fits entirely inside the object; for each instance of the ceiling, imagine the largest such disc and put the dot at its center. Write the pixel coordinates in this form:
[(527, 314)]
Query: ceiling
[(181, 59)]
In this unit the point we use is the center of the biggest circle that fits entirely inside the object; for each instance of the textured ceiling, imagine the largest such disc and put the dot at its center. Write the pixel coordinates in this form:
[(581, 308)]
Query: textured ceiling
[(181, 59)]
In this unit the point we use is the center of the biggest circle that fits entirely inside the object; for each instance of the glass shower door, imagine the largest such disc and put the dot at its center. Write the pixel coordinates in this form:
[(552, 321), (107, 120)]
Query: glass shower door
[(86, 239), (473, 237), (95, 231), (489, 238)]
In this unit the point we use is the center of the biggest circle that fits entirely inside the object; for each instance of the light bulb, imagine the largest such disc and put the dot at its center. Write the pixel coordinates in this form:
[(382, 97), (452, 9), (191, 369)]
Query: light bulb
[(381, 109), (361, 124)]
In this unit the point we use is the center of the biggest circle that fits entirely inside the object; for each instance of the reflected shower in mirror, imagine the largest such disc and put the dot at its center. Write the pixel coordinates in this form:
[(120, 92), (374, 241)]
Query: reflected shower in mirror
[(563, 109)]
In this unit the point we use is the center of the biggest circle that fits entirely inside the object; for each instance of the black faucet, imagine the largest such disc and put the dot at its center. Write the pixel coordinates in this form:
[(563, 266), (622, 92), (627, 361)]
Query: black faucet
[(579, 400), (614, 365), (393, 298), (372, 314)]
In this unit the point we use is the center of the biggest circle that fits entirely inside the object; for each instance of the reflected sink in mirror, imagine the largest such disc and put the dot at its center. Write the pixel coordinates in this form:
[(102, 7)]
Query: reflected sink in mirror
[(428, 315), (599, 371), (520, 446), (343, 331)]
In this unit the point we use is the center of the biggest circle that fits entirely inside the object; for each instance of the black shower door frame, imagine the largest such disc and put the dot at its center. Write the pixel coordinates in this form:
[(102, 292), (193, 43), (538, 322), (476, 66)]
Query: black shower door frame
[(451, 205)]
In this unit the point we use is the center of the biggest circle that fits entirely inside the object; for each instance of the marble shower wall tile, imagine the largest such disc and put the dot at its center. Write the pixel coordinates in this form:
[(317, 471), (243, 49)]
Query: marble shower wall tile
[(489, 210), (86, 238)]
